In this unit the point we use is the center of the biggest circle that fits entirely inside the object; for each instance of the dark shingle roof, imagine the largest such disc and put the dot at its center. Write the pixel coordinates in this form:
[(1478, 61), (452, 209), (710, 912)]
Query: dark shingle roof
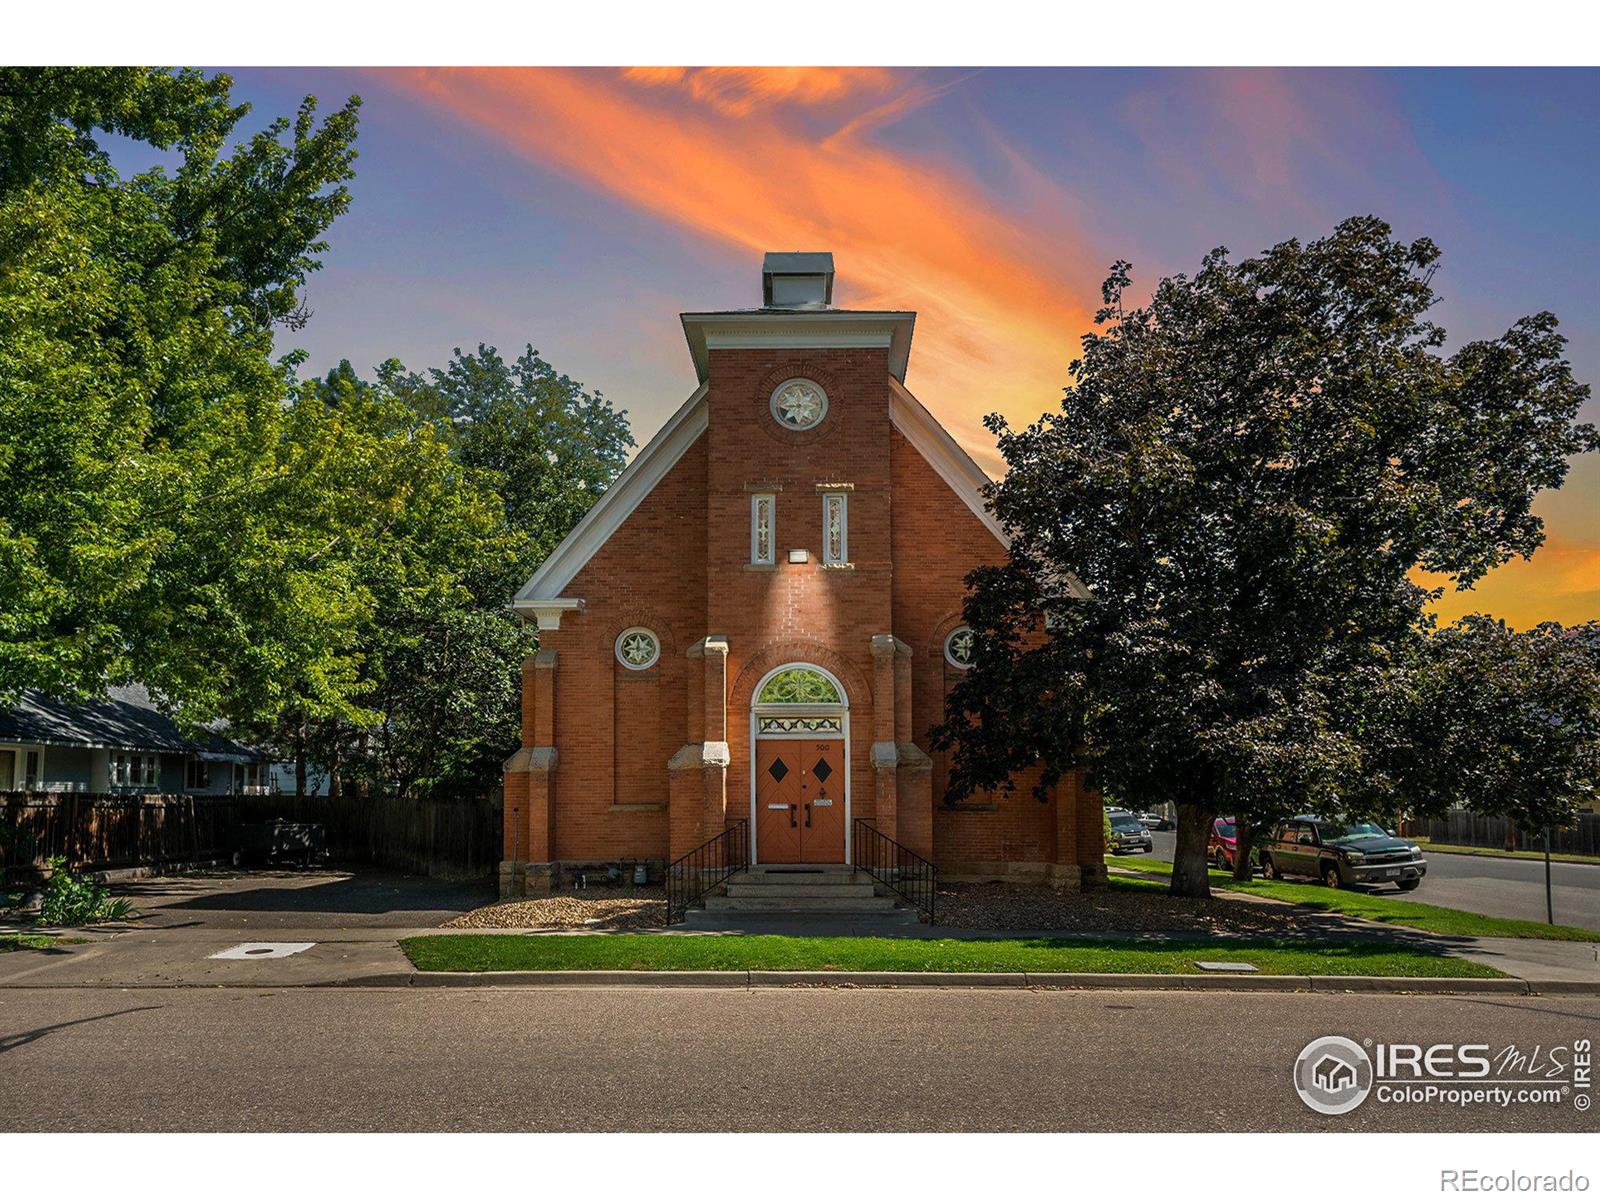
[(126, 719)]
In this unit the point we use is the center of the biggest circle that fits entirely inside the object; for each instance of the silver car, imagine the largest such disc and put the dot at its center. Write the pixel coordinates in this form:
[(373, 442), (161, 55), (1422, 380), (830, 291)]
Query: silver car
[(1128, 836)]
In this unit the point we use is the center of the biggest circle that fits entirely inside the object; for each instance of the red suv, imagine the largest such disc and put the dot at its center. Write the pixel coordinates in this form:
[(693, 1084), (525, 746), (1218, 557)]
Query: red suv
[(1223, 844)]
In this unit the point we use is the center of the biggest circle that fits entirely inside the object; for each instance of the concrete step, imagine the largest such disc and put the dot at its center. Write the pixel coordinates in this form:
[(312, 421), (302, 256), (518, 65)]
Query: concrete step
[(800, 888), (808, 904), (828, 870)]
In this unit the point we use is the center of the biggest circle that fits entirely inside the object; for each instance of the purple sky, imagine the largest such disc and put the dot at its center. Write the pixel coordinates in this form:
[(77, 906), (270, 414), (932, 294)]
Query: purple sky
[(582, 210)]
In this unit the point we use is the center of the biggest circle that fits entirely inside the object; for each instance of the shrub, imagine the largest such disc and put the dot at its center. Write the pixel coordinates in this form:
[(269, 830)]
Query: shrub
[(72, 899)]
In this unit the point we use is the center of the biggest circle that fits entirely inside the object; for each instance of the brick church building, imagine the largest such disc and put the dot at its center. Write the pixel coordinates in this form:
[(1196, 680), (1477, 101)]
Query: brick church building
[(761, 617)]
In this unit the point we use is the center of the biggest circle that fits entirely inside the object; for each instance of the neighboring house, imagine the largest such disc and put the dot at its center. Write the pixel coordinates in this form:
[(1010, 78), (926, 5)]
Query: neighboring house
[(119, 744), (761, 618)]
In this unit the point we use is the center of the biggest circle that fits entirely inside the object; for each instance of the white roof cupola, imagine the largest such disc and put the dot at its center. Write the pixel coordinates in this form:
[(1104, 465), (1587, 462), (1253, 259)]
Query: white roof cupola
[(797, 280)]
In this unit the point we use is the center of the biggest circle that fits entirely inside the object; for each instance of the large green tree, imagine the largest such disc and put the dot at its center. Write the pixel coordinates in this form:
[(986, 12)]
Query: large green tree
[(1484, 716), (1246, 473), (552, 445), (486, 466), (159, 518)]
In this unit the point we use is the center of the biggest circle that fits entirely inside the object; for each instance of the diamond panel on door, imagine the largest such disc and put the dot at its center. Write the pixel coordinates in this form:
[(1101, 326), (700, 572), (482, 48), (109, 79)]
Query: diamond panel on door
[(822, 802), (778, 810)]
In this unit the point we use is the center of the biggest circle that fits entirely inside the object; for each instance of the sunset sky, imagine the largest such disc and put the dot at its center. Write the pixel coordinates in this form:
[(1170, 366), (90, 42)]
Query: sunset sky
[(582, 210)]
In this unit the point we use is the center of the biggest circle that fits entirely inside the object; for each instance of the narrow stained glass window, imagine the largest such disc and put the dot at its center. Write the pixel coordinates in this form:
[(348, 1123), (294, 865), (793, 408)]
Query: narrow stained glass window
[(835, 530), (762, 541)]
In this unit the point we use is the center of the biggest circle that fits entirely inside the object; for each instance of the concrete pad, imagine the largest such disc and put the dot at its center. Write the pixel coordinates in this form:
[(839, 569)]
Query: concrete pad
[(155, 960), (254, 951), (1532, 958)]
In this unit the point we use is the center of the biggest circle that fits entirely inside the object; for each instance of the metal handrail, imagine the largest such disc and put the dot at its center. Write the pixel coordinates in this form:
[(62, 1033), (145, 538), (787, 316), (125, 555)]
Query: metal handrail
[(904, 872), (707, 865)]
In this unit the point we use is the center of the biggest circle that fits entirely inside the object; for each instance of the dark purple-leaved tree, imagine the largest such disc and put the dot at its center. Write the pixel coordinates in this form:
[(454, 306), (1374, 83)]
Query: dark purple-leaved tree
[(1246, 473)]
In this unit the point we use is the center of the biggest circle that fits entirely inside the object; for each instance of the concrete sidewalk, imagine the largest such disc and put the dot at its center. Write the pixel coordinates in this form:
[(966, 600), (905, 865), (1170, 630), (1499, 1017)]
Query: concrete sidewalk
[(365, 956), (354, 923)]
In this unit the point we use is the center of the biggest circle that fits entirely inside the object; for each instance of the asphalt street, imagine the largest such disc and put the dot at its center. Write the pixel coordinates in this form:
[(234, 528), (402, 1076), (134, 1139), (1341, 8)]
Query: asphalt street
[(1495, 887), (645, 1059)]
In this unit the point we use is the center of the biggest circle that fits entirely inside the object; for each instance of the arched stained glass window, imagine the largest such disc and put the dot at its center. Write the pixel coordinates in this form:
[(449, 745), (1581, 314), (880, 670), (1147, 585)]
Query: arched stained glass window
[(800, 685)]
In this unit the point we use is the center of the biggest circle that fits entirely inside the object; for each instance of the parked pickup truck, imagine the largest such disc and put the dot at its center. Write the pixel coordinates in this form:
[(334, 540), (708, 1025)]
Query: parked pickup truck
[(1341, 854)]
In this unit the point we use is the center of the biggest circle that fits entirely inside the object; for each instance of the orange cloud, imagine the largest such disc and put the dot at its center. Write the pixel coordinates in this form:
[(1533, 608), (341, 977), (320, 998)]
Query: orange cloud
[(998, 308), (1560, 583), (737, 91)]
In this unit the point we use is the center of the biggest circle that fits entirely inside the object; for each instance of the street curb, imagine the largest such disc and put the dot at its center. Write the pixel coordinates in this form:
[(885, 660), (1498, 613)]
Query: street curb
[(996, 980), (1059, 981)]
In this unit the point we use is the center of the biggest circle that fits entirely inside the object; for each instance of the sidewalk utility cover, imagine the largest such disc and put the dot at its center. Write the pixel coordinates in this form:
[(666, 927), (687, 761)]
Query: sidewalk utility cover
[(1224, 966), (263, 950)]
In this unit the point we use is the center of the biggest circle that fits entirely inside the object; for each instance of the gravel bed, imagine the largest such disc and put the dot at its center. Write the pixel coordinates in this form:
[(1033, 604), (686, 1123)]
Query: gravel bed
[(960, 906), (1020, 906), (591, 908)]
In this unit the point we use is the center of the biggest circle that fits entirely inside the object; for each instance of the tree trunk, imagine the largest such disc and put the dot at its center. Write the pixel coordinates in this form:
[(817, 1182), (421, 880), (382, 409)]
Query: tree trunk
[(335, 771), (1244, 838), (300, 763), (1189, 863)]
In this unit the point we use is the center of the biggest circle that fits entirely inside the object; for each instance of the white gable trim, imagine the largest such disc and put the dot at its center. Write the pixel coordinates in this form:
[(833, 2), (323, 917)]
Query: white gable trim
[(951, 463), (541, 596), (943, 453)]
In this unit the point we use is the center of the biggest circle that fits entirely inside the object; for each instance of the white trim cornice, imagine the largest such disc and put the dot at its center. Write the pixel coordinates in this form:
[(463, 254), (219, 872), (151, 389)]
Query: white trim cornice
[(825, 329)]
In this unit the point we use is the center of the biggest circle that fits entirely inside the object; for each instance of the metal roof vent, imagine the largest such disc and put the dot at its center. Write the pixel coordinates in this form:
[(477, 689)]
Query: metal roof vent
[(797, 280)]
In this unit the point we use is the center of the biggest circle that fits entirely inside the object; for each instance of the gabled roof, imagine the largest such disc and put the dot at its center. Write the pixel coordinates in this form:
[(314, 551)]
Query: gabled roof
[(541, 597), (125, 719), (638, 479), (944, 454)]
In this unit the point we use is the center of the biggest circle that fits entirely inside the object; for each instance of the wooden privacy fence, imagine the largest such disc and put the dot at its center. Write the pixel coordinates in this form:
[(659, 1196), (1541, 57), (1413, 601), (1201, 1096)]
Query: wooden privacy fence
[(1458, 827), (102, 831), (453, 838)]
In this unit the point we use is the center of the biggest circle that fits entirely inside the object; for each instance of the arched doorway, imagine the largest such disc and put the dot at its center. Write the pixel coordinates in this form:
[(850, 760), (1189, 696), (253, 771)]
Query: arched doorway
[(799, 767)]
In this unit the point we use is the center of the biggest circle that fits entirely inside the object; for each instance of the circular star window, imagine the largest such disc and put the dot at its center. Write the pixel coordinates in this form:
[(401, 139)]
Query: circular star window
[(799, 404), (638, 648), (958, 648)]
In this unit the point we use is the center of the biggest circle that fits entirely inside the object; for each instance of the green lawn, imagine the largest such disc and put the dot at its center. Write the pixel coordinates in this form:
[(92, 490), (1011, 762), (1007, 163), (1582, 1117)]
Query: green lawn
[(658, 952), (1382, 908), (1482, 851), (34, 941)]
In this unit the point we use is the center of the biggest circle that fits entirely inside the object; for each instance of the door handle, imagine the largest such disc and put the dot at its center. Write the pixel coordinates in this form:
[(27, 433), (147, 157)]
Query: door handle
[(808, 816), (792, 822)]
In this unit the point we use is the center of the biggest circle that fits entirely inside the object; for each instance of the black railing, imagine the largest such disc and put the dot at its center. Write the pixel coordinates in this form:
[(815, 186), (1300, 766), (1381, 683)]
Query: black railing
[(907, 874), (704, 867)]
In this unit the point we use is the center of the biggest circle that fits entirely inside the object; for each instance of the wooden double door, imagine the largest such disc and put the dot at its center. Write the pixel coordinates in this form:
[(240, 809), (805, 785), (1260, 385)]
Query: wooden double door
[(800, 800)]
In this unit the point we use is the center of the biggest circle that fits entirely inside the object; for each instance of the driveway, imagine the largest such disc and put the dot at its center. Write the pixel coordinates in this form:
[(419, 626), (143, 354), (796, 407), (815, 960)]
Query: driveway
[(263, 901), (346, 921)]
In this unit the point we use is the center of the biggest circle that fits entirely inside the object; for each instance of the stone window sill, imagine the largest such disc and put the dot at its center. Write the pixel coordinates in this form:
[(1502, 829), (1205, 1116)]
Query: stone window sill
[(638, 808)]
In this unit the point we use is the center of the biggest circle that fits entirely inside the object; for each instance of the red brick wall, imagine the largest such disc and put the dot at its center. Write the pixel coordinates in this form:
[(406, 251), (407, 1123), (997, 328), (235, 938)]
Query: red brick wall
[(651, 572), (827, 616), (680, 565)]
